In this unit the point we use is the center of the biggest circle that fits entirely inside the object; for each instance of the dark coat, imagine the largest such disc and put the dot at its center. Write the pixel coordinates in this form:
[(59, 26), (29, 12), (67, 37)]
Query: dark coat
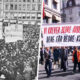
[(64, 57), (56, 54), (41, 56)]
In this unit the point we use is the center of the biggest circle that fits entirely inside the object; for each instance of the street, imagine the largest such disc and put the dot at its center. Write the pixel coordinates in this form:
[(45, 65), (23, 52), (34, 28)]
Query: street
[(58, 74)]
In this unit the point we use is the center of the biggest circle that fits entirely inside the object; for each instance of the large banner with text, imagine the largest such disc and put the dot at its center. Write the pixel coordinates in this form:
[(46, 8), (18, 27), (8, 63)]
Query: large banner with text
[(61, 35), (13, 33)]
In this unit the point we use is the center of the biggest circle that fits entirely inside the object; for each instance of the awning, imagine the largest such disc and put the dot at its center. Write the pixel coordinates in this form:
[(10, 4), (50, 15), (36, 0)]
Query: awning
[(38, 23), (19, 15), (32, 22), (58, 18), (6, 20), (39, 15), (26, 22), (20, 22), (13, 21), (33, 15), (28, 15), (15, 15), (48, 14), (23, 15)]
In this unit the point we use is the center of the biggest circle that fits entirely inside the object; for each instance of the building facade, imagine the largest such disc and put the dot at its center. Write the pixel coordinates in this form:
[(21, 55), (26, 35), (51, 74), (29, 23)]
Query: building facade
[(21, 10), (52, 11), (24, 12), (71, 9)]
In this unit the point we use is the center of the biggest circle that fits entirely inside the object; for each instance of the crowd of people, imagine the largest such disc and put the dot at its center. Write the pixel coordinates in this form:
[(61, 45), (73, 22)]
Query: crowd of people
[(59, 55), (17, 62)]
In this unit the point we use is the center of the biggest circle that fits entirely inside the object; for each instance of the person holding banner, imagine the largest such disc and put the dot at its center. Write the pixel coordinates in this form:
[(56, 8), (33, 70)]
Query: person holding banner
[(48, 62), (76, 59)]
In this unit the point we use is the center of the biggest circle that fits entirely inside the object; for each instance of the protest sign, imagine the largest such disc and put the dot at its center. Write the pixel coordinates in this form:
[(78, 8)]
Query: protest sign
[(61, 35), (13, 33)]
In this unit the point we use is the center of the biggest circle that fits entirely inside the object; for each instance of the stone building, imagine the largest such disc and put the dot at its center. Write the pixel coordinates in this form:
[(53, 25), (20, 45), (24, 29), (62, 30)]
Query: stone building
[(21, 10), (71, 10), (52, 11)]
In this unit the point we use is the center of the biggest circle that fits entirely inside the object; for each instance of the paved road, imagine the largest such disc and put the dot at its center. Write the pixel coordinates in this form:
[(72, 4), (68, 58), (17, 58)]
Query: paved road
[(58, 74)]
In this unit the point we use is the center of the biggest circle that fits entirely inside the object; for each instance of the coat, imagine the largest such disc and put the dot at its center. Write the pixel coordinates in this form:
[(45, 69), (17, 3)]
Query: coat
[(56, 54), (78, 56), (63, 56)]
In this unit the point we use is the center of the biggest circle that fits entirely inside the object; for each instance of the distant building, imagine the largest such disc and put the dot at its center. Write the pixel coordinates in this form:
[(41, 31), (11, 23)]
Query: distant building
[(71, 10), (52, 11), (21, 10)]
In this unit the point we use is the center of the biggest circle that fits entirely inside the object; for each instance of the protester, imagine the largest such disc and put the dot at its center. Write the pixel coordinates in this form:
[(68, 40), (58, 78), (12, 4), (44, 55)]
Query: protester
[(48, 62), (56, 56), (76, 59), (41, 56), (63, 59)]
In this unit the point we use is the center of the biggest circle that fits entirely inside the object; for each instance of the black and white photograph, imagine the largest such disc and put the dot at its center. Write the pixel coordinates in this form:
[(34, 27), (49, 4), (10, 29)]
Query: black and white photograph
[(20, 22)]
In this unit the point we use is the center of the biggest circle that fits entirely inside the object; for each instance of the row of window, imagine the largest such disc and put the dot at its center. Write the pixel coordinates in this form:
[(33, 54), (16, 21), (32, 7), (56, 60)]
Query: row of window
[(23, 15), (22, 7), (54, 3), (22, 0)]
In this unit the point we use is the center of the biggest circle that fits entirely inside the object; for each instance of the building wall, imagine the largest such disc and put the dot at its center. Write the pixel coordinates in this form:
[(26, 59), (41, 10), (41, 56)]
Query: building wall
[(52, 11), (72, 13), (22, 9)]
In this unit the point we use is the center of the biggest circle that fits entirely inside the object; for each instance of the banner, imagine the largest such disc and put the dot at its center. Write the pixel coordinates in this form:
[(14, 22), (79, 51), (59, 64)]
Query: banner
[(13, 33), (61, 35)]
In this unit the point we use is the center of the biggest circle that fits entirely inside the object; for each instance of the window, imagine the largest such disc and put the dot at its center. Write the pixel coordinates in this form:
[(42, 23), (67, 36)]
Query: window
[(28, 15), (33, 16), (19, 6), (71, 19), (15, 0), (11, 6), (6, 7), (24, 6), (19, 0), (46, 2), (28, 7), (24, 0), (79, 13), (33, 6), (28, 0), (38, 15), (6, 0), (16, 7), (54, 5), (32, 0), (70, 11), (70, 3), (11, 0), (39, 7), (39, 0)]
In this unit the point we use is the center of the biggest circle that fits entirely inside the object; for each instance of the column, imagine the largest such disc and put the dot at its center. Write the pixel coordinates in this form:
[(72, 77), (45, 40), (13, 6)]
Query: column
[(50, 3)]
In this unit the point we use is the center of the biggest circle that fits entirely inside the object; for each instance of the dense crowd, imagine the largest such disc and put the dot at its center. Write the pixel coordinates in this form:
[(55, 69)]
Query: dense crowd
[(17, 62), (58, 57)]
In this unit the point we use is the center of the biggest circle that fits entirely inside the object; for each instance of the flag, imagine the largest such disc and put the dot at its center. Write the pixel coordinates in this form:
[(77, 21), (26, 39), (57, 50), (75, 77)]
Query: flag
[(43, 11)]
